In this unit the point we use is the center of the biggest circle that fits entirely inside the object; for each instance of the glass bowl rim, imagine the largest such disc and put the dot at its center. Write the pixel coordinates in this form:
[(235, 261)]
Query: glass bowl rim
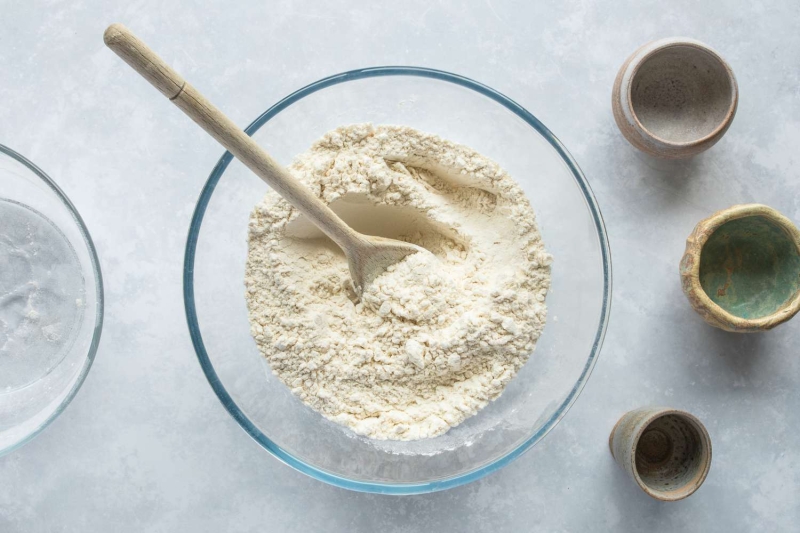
[(234, 410), (98, 284)]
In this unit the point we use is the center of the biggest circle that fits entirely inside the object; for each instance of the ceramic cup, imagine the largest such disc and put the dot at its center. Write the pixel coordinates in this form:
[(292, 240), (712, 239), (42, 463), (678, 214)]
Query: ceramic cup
[(741, 268), (666, 451), (674, 98)]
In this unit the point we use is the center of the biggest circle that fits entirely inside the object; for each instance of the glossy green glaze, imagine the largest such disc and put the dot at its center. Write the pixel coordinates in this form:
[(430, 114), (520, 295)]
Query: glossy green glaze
[(750, 267)]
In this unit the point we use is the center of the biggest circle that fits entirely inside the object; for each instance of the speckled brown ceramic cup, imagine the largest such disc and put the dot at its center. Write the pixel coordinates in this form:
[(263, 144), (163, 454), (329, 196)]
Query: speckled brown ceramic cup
[(674, 98), (666, 451)]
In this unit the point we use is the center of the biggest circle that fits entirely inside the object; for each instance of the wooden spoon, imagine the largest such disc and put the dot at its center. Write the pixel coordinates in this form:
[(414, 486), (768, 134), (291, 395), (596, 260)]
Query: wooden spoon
[(367, 256)]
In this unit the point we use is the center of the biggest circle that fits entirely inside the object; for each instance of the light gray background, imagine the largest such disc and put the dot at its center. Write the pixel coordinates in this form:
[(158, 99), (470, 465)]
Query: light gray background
[(146, 446)]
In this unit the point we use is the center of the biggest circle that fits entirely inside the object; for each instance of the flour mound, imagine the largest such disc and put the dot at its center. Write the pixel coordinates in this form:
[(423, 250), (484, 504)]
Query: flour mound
[(438, 335), (415, 289)]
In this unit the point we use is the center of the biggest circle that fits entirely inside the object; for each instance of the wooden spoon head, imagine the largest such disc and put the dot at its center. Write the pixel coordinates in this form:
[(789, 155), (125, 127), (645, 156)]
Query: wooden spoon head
[(374, 255)]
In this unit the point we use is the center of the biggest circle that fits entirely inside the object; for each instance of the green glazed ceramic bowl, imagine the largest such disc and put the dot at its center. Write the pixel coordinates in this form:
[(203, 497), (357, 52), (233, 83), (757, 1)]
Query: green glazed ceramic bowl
[(741, 268)]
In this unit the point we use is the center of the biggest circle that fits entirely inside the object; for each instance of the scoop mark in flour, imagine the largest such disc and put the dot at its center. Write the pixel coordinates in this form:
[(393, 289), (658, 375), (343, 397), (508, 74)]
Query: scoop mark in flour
[(438, 180), (393, 222)]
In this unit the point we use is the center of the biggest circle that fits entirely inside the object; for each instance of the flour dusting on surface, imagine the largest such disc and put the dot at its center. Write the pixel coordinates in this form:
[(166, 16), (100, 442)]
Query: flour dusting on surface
[(435, 337)]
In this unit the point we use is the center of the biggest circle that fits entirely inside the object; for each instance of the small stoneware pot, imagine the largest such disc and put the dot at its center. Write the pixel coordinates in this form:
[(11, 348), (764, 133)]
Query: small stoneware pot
[(741, 268), (674, 98), (666, 451)]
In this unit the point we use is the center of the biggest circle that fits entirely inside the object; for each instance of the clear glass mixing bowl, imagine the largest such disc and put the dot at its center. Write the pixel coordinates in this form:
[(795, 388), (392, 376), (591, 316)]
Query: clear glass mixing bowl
[(461, 110), (38, 383)]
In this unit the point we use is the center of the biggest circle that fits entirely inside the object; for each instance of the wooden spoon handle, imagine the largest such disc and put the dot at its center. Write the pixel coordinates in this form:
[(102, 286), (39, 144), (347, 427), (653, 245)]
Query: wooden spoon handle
[(144, 61)]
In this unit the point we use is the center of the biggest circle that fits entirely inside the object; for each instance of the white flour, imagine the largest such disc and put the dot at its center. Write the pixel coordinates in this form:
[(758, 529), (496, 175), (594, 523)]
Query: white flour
[(433, 339)]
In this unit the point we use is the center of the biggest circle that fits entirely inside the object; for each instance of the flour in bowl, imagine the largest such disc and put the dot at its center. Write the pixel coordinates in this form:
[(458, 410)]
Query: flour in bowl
[(434, 338)]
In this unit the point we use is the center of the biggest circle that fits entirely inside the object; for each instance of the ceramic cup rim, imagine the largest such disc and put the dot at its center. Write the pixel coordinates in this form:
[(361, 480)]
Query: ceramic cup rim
[(712, 224), (705, 439), (675, 42)]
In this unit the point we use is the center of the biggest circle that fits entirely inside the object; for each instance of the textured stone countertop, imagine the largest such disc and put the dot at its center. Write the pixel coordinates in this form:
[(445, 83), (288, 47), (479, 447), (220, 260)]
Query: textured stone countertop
[(146, 445)]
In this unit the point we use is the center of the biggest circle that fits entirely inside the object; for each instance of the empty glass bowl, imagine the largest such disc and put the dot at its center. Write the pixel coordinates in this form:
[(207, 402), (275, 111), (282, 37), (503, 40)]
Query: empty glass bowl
[(461, 110), (51, 300)]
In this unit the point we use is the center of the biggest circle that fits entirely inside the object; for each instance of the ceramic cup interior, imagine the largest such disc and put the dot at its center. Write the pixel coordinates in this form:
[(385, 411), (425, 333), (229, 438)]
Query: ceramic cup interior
[(682, 93), (672, 454), (750, 267)]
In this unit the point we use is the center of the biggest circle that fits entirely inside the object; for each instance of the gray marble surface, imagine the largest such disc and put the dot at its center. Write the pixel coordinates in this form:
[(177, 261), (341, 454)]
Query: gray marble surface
[(146, 446)]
